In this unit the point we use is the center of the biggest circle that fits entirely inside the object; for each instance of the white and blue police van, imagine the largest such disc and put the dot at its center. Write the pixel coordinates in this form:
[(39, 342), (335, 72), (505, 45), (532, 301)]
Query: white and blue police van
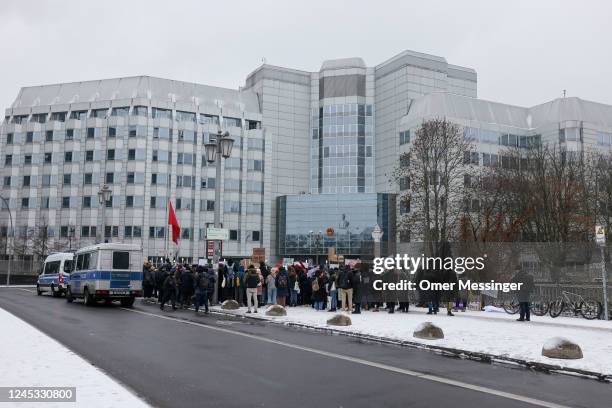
[(108, 271), (55, 274)]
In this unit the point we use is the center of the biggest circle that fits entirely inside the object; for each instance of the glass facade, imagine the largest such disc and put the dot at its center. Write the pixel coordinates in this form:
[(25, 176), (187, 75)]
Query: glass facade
[(342, 148), (311, 224)]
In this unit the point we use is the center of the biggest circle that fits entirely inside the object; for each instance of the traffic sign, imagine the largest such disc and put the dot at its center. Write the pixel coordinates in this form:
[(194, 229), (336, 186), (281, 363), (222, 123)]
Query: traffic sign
[(217, 234), (600, 235)]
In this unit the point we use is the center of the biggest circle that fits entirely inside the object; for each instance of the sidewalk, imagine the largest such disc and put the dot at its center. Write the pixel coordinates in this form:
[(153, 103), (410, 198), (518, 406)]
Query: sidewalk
[(493, 334), (30, 358)]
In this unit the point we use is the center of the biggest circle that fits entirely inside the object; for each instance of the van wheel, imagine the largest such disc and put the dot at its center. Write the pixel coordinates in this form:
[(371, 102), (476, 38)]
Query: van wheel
[(87, 298), (38, 291), (127, 302), (69, 297)]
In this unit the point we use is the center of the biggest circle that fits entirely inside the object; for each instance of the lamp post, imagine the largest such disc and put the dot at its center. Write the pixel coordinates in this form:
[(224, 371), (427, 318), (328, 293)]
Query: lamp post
[(377, 234), (220, 147), (8, 268), (103, 196)]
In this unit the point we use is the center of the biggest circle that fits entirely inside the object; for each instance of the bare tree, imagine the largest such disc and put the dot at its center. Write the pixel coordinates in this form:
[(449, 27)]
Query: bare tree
[(434, 169)]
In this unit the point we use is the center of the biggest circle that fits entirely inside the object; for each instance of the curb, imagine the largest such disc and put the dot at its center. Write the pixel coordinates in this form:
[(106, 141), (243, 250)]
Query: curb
[(445, 351)]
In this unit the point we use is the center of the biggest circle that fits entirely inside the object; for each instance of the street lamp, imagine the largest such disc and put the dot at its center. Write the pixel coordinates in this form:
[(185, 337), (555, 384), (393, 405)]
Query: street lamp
[(377, 234), (103, 196), (8, 269), (220, 147)]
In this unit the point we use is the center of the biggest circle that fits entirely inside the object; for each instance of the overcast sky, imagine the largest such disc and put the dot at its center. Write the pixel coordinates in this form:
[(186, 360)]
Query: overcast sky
[(525, 52)]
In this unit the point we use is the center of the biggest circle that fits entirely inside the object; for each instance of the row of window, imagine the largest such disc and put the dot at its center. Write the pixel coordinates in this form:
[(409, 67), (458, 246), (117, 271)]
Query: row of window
[(134, 231), (132, 155), (113, 132), (124, 111), (501, 138)]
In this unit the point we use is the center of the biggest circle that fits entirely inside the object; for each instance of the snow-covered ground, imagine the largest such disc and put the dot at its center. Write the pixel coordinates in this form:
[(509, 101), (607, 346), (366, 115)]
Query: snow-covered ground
[(493, 333), (30, 358)]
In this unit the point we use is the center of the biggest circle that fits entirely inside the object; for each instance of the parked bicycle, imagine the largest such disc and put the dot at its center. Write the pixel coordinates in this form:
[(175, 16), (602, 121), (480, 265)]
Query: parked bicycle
[(589, 309), (538, 307)]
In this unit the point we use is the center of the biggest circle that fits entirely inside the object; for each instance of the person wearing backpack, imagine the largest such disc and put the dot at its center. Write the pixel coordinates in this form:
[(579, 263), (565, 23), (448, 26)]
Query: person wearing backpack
[(345, 289), (319, 292), (201, 284), (252, 282), (282, 286), (332, 289)]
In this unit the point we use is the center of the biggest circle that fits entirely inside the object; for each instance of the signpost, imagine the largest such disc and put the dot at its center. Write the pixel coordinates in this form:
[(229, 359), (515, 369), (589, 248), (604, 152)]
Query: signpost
[(600, 240), (210, 249), (217, 234)]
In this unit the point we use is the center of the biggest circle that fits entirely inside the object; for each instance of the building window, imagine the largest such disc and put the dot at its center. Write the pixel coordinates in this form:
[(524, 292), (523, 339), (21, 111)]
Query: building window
[(48, 158), (154, 179), (130, 177), (122, 111), (87, 202), (58, 116), (112, 132), (91, 132), (153, 202), (132, 154), (29, 137), (109, 202), (46, 180), (65, 202), (68, 157), (132, 131), (44, 203), (7, 181), (49, 136), (9, 138), (89, 156), (8, 160), (110, 154), (26, 181), (210, 205), (404, 183), (255, 236), (129, 201), (110, 178), (27, 159), (234, 235), (139, 111), (404, 137), (67, 179), (87, 178)]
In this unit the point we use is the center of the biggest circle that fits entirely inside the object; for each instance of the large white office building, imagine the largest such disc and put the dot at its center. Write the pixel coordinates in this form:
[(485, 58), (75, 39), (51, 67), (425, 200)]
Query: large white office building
[(332, 132)]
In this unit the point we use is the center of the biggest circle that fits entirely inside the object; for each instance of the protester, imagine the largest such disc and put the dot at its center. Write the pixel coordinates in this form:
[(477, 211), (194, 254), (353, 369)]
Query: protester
[(169, 291), (239, 286), (148, 280), (356, 286), (345, 290), (271, 286), (294, 287), (253, 283), (333, 291), (523, 295), (318, 290), (160, 277), (282, 286), (201, 285), (186, 287)]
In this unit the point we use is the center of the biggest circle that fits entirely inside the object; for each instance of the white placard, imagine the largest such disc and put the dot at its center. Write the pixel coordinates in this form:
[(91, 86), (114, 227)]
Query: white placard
[(217, 234)]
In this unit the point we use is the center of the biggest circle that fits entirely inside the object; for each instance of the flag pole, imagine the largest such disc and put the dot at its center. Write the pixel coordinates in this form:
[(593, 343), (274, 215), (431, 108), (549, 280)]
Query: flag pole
[(166, 249)]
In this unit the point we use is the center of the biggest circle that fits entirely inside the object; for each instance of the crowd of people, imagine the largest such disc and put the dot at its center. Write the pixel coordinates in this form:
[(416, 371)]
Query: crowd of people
[(346, 288)]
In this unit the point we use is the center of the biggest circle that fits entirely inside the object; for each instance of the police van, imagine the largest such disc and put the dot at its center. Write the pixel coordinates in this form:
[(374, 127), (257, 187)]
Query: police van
[(108, 272), (55, 274)]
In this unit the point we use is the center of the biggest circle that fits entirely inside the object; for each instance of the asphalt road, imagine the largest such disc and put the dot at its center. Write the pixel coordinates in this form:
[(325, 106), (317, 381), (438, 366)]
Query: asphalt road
[(177, 359)]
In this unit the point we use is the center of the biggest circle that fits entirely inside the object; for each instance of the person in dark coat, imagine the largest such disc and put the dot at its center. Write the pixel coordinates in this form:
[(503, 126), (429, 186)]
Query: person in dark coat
[(292, 287), (282, 286), (160, 277), (148, 280), (201, 286), (319, 292), (448, 276), (523, 295), (169, 291), (356, 284), (186, 287), (345, 289)]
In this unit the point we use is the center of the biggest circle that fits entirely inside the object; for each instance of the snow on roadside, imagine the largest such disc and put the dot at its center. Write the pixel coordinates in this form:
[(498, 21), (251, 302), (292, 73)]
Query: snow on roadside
[(30, 358), (475, 332)]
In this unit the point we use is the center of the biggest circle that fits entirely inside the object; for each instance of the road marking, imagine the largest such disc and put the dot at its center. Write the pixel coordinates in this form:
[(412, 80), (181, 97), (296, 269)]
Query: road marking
[(26, 290), (417, 374)]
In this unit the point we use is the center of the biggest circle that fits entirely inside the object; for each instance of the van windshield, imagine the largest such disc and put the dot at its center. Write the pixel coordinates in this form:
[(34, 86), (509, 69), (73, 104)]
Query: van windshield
[(121, 260), (51, 268)]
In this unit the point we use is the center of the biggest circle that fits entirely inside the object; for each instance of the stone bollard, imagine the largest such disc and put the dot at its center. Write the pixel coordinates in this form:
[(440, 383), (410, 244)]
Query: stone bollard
[(340, 320), (276, 310), (230, 305), (428, 331), (559, 347)]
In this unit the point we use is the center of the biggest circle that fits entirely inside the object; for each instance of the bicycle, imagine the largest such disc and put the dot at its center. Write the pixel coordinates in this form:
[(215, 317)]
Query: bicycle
[(538, 307), (589, 309)]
